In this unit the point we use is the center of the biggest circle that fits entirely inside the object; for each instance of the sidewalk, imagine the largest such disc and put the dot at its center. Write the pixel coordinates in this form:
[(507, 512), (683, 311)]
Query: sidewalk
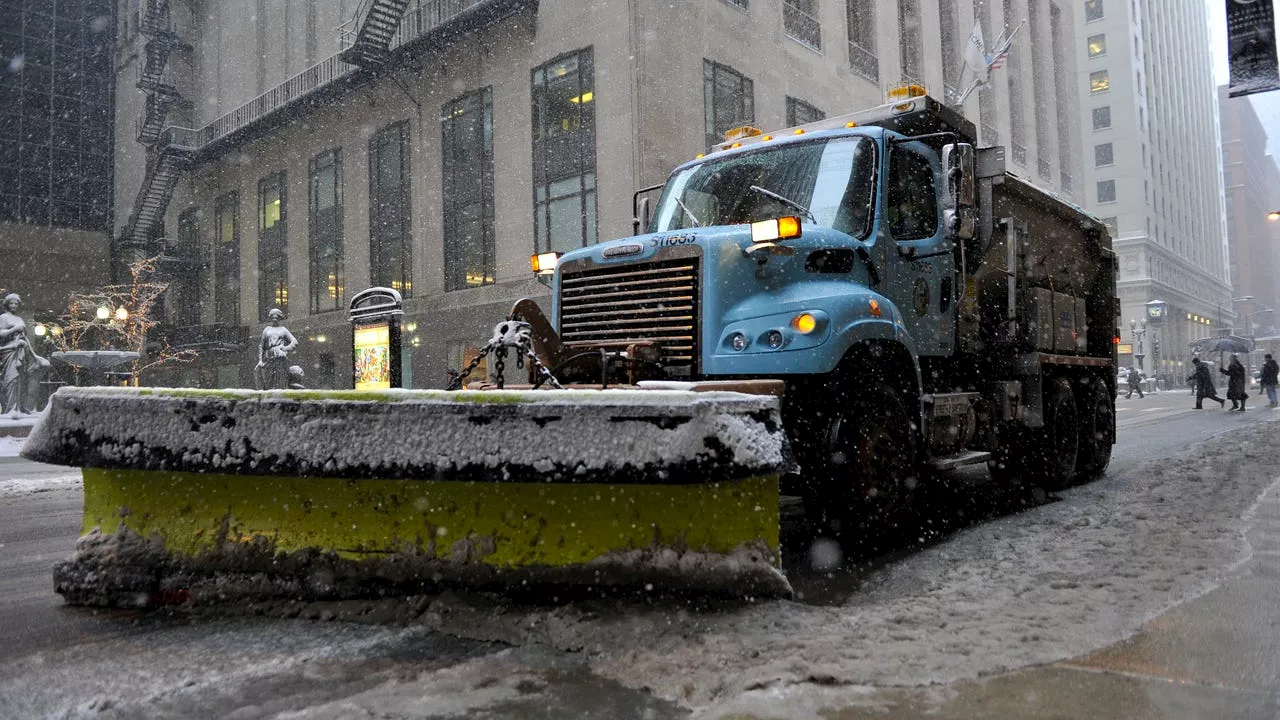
[(1216, 657)]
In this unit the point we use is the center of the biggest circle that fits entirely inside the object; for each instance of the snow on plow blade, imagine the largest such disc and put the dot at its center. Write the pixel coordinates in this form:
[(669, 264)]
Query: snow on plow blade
[(211, 496)]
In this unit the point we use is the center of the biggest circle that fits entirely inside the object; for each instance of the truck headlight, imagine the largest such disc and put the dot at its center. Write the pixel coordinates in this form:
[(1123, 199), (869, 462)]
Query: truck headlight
[(738, 341), (773, 339)]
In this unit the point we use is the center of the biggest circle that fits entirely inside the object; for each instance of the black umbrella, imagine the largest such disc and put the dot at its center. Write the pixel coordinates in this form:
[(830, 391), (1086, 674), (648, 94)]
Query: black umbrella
[(1226, 344)]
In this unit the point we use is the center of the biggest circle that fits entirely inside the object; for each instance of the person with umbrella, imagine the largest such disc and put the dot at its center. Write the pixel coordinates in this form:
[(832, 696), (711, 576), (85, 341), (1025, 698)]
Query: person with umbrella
[(1203, 382), (1235, 383)]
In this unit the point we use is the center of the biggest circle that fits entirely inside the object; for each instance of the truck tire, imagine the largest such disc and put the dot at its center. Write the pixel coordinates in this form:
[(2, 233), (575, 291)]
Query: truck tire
[(863, 481), (1097, 430), (1055, 448)]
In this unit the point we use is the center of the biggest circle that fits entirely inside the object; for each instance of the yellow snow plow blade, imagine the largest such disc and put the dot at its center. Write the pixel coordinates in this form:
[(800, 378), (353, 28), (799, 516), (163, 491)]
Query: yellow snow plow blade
[(215, 495)]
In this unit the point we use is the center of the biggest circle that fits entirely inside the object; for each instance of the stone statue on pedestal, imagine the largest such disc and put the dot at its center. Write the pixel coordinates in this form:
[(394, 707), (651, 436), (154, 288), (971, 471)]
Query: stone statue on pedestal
[(19, 364), (272, 372)]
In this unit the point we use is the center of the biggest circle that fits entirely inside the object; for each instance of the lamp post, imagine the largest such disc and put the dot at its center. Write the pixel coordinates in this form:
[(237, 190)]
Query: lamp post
[(1138, 328)]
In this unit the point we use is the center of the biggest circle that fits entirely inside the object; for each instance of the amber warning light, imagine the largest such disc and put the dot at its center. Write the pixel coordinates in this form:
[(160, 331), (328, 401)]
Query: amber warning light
[(781, 228), (544, 263)]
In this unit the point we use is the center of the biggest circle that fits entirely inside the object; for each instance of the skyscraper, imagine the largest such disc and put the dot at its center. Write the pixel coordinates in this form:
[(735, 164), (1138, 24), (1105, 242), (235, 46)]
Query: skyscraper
[(1252, 191), (1152, 164), (56, 145)]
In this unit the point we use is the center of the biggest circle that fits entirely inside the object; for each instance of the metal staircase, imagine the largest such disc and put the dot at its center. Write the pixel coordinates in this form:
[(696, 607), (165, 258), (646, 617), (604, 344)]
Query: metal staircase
[(165, 158), (370, 32), (153, 117), (164, 168)]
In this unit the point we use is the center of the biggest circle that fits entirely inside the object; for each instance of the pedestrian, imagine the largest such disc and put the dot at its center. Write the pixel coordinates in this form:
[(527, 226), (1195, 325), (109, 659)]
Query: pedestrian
[(1135, 383), (1235, 383), (1270, 378), (1203, 383)]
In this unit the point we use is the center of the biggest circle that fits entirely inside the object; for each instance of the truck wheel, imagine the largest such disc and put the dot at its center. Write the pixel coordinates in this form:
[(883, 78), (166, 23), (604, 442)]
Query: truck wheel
[(865, 482), (1056, 446), (1097, 431)]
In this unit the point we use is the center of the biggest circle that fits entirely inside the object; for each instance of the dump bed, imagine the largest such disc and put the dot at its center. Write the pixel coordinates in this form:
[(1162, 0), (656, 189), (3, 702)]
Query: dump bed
[(1046, 279)]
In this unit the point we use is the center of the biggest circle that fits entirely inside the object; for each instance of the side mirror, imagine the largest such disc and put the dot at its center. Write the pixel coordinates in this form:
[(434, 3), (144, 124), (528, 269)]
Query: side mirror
[(958, 161)]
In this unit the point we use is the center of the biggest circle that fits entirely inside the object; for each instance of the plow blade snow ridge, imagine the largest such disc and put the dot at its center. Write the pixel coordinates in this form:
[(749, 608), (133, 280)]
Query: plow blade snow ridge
[(214, 496)]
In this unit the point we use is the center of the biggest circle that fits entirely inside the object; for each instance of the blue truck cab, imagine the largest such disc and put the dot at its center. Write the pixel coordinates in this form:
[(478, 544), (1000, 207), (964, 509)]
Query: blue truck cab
[(872, 263)]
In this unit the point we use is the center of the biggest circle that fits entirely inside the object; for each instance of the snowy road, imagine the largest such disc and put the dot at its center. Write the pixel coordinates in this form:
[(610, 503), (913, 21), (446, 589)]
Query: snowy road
[(1051, 582)]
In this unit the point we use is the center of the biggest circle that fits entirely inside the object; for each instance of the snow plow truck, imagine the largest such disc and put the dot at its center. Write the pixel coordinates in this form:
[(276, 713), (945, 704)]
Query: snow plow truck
[(831, 310)]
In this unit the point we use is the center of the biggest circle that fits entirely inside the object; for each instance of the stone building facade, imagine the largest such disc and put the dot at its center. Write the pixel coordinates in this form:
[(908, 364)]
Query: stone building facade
[(312, 164)]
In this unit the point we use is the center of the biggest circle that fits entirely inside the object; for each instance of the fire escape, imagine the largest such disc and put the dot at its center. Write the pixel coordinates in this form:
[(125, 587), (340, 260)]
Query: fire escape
[(370, 32), (165, 157)]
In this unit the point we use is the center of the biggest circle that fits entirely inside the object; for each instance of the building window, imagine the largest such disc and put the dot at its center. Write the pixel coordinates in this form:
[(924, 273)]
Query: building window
[(861, 16), (1017, 98), (987, 112), (226, 259), (564, 153), (273, 267), (1099, 81), (1097, 45), (800, 112), (951, 60), (910, 40), (738, 3), (467, 170), (1102, 117), (1092, 10), (185, 288), (800, 21), (390, 252), (1103, 155), (1106, 191), (324, 230), (728, 98)]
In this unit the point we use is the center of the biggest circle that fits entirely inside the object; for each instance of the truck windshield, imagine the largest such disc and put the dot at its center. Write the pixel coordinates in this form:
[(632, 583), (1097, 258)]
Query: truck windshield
[(834, 179)]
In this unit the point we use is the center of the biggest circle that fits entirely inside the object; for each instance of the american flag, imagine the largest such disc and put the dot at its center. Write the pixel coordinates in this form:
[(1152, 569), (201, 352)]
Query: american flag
[(997, 61)]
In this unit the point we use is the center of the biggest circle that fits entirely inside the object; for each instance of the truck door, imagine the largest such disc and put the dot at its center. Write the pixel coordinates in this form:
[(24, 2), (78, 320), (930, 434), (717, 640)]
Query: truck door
[(921, 277)]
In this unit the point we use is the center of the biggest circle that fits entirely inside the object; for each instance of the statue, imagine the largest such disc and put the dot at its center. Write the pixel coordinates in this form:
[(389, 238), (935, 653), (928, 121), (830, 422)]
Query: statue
[(272, 372), (295, 378), (18, 362)]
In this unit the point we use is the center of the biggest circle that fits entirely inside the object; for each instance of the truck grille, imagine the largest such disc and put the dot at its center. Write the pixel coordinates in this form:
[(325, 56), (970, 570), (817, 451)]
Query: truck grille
[(616, 306)]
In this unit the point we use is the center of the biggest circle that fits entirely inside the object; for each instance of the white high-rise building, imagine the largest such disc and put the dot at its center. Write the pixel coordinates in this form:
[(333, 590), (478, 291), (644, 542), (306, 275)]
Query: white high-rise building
[(1152, 160)]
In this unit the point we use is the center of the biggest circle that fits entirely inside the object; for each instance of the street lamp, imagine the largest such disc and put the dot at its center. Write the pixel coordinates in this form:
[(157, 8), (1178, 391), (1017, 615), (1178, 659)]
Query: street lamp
[(1138, 328), (1274, 215)]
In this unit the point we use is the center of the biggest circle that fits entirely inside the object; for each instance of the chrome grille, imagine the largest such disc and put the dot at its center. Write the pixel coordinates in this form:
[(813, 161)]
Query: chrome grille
[(614, 307)]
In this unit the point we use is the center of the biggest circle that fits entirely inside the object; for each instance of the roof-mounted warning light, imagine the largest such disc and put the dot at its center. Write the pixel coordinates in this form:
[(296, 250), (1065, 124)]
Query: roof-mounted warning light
[(905, 91), (742, 131)]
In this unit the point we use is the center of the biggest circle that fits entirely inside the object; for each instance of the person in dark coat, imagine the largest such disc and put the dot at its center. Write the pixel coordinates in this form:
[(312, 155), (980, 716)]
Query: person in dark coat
[(1235, 383), (1135, 383), (1203, 382), (1270, 377)]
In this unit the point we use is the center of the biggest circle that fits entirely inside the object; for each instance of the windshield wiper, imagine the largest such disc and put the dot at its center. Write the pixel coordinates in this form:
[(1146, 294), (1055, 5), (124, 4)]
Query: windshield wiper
[(687, 211), (785, 201)]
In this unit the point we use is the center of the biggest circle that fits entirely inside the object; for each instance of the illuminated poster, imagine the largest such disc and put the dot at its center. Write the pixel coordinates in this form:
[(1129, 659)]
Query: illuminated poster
[(373, 357), (1251, 47)]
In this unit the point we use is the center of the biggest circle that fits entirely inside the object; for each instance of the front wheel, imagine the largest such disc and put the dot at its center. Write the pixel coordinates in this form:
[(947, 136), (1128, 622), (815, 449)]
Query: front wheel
[(864, 465)]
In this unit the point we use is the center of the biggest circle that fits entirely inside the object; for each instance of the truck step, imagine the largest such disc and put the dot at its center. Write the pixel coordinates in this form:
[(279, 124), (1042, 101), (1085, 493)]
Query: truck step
[(964, 457)]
